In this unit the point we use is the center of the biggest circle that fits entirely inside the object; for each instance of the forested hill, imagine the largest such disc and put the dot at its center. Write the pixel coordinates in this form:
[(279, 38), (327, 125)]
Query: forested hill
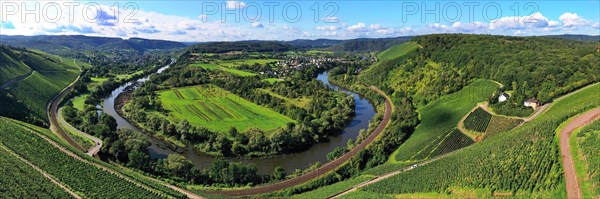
[(245, 46), (368, 45), (538, 67), (61, 44)]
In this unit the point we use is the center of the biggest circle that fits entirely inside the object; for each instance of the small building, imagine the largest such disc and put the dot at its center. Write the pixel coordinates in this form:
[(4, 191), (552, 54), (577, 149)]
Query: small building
[(533, 103), (503, 97)]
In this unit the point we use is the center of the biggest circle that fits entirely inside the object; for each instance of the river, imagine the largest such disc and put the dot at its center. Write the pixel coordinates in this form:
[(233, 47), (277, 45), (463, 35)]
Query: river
[(290, 162)]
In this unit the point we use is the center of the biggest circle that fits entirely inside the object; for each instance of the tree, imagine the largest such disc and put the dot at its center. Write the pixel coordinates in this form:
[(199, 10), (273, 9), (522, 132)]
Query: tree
[(178, 166), (279, 173)]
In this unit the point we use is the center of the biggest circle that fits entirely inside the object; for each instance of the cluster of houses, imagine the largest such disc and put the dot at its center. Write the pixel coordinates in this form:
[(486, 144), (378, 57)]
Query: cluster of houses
[(532, 102), (298, 62)]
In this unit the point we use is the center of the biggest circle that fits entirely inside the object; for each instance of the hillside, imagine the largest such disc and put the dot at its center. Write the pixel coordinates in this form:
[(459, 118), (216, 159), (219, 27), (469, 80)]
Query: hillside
[(534, 67), (64, 44), (29, 147), (368, 45), (30, 80)]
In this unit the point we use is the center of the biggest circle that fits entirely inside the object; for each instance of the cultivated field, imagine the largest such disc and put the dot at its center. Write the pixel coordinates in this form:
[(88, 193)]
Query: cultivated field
[(238, 62), (217, 109), (397, 51), (442, 115)]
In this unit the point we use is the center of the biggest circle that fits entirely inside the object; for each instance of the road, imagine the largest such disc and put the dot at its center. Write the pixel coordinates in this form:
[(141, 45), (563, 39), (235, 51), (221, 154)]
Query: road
[(53, 116), (97, 141), (330, 166), (573, 190)]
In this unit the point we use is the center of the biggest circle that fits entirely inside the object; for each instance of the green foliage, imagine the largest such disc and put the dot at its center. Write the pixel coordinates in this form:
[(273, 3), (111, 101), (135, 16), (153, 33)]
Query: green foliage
[(84, 178), (329, 190), (511, 109), (440, 116), (588, 140), (229, 70), (478, 120), (245, 46), (525, 160), (20, 180)]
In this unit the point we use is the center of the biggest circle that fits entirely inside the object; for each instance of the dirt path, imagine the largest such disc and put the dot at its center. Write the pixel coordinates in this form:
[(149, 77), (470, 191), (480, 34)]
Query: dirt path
[(41, 171), (15, 80), (573, 190), (330, 166)]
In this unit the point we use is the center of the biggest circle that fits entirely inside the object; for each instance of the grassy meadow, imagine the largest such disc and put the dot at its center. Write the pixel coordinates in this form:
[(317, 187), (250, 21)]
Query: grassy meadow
[(229, 70), (237, 62), (217, 109)]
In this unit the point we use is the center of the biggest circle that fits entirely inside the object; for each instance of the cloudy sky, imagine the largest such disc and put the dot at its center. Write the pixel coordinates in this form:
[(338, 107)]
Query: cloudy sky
[(192, 20)]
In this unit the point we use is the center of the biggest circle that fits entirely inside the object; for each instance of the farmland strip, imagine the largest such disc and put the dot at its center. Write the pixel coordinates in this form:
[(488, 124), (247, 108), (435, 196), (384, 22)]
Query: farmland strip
[(210, 110)]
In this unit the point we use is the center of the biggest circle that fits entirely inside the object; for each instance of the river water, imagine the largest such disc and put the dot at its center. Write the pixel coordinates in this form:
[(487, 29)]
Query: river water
[(290, 162)]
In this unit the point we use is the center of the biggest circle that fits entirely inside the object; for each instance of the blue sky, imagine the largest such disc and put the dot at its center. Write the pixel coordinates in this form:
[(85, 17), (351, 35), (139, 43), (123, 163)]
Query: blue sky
[(192, 20)]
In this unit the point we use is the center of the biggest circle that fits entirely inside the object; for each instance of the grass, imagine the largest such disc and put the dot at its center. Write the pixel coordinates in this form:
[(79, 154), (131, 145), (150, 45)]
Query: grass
[(298, 102), (238, 62), (366, 195), (272, 80), (128, 76), (329, 190), (397, 51), (442, 115), (584, 144), (316, 52), (218, 109), (79, 102), (229, 70)]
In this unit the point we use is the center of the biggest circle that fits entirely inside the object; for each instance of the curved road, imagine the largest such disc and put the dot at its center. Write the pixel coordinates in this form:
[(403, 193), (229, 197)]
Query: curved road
[(330, 166), (52, 115), (573, 190), (98, 143)]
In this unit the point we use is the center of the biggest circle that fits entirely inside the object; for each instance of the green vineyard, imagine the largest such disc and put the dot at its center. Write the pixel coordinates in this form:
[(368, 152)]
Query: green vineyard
[(85, 179), (501, 124), (447, 142), (524, 161), (478, 120)]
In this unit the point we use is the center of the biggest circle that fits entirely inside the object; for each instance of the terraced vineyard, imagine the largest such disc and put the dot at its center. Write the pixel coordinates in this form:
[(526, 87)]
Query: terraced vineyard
[(478, 120), (524, 161), (446, 142), (439, 117), (20, 180), (501, 124), (85, 179), (217, 109)]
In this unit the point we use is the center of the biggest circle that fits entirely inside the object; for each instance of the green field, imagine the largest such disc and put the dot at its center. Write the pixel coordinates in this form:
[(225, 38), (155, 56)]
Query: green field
[(298, 102), (397, 51), (272, 80), (524, 161), (317, 52), (442, 115), (218, 109), (237, 62), (229, 70)]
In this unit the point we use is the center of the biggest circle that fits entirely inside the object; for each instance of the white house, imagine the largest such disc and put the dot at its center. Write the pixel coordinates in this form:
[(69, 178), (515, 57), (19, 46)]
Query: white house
[(533, 103), (503, 97)]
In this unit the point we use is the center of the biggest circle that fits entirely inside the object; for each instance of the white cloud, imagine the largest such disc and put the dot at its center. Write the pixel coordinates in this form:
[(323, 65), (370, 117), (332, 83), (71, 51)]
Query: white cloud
[(257, 25), (235, 4), (359, 27), (572, 20), (536, 20), (596, 25), (327, 28)]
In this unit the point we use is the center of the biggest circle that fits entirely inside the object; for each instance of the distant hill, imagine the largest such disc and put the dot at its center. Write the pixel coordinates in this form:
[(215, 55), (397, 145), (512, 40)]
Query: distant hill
[(60, 43), (368, 45), (244, 46), (317, 43), (587, 38), (29, 80)]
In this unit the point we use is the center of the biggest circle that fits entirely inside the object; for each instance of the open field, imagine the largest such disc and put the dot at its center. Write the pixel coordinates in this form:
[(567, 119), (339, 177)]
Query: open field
[(513, 162), (316, 52), (298, 102), (237, 62), (397, 51), (229, 70), (272, 80), (218, 109), (441, 116)]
